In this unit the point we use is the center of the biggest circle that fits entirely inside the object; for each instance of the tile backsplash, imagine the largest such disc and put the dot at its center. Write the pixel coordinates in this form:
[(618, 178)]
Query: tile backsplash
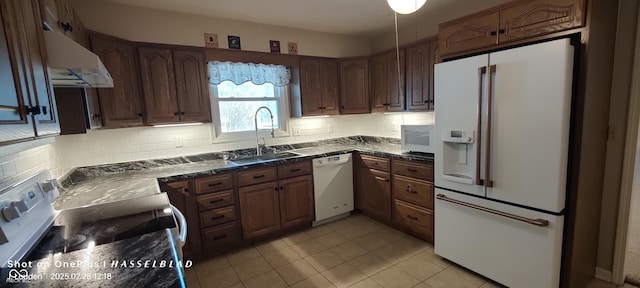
[(22, 160), (130, 144)]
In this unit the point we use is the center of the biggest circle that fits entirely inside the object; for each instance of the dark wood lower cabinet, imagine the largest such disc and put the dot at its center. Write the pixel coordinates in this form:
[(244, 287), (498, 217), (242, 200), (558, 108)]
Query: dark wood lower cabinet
[(296, 201), (182, 198), (374, 197), (260, 209)]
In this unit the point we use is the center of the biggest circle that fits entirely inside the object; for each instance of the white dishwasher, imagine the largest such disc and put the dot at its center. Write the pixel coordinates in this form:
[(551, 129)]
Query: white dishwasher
[(333, 186)]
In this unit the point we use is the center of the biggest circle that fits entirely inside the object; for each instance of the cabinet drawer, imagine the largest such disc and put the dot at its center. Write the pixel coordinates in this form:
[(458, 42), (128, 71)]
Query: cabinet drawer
[(417, 220), (220, 235), (294, 169), (414, 170), (218, 216), (215, 200), (376, 162), (214, 183), (413, 191), (256, 176)]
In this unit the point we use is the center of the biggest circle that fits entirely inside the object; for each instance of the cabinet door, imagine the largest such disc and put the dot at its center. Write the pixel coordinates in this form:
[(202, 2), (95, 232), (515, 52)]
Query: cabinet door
[(15, 123), (66, 18), (539, 17), (395, 81), (191, 86), (259, 209), (329, 87), (120, 105), (50, 15), (93, 108), (183, 199), (379, 83), (310, 87), (354, 87), (374, 197), (158, 86), (420, 77), (41, 90), (296, 201), (469, 33)]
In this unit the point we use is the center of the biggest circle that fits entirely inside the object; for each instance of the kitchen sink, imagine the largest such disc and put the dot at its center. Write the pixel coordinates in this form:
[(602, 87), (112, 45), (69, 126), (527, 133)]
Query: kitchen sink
[(263, 158)]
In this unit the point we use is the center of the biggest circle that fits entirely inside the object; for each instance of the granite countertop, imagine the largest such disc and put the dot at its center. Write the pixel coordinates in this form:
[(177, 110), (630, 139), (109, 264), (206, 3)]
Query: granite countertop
[(113, 182), (94, 267)]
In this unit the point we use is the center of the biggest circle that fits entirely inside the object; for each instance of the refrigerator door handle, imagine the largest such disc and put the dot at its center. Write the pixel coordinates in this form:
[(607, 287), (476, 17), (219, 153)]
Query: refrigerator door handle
[(536, 222), (479, 180), (487, 176)]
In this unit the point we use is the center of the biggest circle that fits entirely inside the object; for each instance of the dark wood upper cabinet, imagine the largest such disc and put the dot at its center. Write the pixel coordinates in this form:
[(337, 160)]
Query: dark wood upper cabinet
[(330, 87), (158, 86), (28, 103), (354, 86), (15, 122), (191, 86), (319, 86), (45, 119), (469, 33), (175, 86), (120, 105), (539, 17), (419, 76), (513, 21), (378, 83), (387, 86)]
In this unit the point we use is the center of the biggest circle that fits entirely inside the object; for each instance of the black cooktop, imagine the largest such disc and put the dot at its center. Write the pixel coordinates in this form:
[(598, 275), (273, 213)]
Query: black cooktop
[(84, 227)]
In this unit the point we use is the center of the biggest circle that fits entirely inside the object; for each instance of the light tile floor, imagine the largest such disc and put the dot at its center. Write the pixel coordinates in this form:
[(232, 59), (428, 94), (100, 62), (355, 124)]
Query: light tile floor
[(353, 252)]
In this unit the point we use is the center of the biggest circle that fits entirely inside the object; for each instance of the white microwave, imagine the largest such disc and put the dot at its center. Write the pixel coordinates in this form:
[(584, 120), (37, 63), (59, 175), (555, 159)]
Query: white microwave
[(418, 138)]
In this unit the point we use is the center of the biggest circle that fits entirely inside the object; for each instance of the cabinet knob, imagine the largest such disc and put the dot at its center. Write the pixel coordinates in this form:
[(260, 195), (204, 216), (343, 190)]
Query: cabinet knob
[(34, 110), (66, 27), (139, 114), (493, 33), (176, 113), (181, 113), (501, 31)]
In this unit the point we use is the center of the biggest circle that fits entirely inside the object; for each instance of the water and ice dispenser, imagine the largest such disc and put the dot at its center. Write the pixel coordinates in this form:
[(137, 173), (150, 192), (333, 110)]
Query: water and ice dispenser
[(458, 156)]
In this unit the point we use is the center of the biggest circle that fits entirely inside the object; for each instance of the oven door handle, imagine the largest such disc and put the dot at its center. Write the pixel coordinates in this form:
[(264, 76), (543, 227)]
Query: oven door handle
[(182, 223)]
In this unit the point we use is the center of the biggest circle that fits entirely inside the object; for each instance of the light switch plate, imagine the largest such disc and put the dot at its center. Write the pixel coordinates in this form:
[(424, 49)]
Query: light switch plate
[(296, 131), (211, 40), (293, 48)]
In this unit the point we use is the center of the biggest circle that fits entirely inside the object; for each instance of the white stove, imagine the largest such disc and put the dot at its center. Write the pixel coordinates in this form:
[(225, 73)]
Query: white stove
[(26, 214)]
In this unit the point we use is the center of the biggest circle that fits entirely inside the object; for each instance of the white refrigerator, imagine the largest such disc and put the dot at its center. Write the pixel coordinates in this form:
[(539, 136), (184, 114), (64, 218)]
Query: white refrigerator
[(503, 123)]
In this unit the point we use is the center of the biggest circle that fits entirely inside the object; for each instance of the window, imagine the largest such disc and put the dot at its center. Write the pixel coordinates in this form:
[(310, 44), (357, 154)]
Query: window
[(234, 105)]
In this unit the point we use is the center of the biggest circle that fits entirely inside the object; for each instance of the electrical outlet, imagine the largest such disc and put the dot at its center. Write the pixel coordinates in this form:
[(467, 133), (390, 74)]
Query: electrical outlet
[(179, 142), (293, 48), (296, 131)]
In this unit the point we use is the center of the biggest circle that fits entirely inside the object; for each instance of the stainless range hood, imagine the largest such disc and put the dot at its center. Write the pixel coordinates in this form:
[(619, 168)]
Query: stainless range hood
[(71, 65)]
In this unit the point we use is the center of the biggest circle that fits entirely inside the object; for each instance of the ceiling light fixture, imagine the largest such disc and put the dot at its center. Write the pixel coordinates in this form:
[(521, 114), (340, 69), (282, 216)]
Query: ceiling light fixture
[(405, 6)]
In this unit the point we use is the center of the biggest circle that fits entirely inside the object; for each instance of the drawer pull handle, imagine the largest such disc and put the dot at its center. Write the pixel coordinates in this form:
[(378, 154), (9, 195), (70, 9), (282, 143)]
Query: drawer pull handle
[(258, 176), (382, 179), (412, 170), (217, 217), (215, 184), (412, 217), (294, 170), (536, 222), (220, 237), (216, 201)]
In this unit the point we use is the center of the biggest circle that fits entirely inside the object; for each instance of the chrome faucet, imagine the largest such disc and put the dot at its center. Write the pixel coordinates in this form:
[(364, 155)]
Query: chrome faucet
[(255, 121)]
